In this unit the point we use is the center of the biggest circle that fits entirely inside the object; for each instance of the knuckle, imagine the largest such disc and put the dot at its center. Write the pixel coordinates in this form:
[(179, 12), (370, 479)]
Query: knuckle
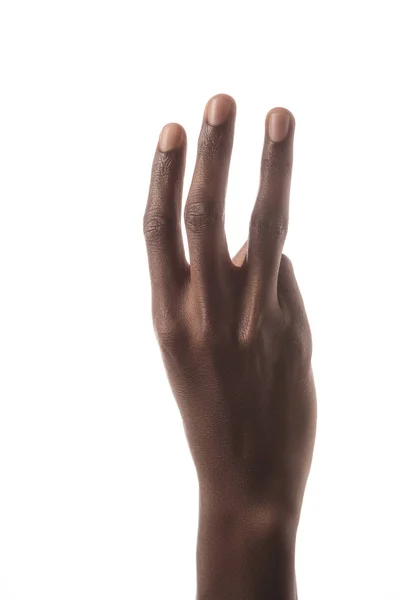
[(270, 226), (202, 214), (156, 227), (170, 332)]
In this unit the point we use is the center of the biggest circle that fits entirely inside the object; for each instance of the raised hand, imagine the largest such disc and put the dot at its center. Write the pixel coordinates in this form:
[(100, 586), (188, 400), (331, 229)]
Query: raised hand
[(236, 345)]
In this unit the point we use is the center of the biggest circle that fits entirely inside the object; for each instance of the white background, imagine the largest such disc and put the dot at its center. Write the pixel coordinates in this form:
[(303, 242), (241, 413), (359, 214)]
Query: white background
[(98, 496)]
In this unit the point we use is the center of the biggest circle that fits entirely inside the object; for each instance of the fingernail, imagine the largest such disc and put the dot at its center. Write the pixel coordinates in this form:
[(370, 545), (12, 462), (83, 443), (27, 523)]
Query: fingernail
[(170, 137), (218, 109), (278, 125)]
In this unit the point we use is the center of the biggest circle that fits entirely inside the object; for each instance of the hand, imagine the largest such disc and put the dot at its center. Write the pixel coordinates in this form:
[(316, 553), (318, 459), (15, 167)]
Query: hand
[(236, 345)]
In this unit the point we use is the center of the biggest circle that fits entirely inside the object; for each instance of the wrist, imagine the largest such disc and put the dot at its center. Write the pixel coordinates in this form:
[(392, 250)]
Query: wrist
[(245, 552), (251, 514)]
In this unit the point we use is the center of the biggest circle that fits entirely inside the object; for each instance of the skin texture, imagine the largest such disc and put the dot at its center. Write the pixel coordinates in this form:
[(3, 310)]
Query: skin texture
[(236, 345)]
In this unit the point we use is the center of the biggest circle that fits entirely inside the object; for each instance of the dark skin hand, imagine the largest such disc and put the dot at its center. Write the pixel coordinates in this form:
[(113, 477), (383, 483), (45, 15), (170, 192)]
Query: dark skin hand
[(236, 345)]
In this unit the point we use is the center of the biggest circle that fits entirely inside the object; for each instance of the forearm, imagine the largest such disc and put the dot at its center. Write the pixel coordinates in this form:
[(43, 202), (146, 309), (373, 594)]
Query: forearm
[(245, 554)]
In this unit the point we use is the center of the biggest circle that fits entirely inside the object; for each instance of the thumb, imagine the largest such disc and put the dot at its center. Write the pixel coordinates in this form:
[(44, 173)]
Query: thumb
[(240, 257), (288, 289)]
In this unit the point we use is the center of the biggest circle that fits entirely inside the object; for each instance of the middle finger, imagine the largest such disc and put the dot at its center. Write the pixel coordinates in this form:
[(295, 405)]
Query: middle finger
[(205, 207)]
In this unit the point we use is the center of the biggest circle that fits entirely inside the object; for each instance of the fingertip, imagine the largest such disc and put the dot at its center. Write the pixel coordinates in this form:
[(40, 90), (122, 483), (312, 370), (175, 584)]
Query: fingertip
[(280, 122), (219, 109), (172, 137)]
